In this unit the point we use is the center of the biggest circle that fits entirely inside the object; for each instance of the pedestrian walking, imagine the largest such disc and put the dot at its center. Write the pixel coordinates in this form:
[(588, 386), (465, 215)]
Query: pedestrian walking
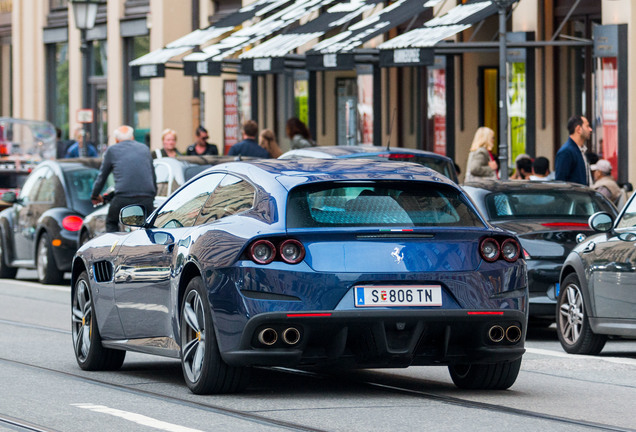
[(79, 149), (523, 167), (135, 182), (201, 145), (249, 146), (570, 163), (541, 170), (169, 145), (298, 133), (267, 140), (604, 183), (481, 162)]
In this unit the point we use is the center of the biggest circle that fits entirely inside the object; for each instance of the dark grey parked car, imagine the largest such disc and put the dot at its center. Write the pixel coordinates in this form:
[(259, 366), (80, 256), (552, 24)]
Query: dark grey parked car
[(598, 285), (547, 217)]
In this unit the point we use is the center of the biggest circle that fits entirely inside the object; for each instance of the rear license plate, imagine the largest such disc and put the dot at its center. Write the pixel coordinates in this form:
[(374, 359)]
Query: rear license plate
[(381, 296)]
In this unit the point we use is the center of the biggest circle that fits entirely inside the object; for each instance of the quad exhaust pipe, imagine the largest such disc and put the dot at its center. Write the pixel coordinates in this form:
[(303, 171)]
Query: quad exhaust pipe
[(268, 336), (497, 333)]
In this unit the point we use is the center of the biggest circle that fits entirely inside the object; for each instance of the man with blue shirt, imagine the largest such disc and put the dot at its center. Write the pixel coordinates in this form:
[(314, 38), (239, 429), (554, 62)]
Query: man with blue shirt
[(249, 146), (570, 163), (77, 149)]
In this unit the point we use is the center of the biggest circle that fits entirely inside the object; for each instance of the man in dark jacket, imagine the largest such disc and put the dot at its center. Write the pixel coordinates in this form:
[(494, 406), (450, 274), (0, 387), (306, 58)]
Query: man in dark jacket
[(249, 146), (135, 182), (570, 163)]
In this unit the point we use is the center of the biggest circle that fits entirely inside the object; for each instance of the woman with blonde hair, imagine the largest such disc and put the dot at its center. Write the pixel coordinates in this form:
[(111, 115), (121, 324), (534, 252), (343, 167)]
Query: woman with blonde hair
[(267, 140), (481, 162), (169, 145)]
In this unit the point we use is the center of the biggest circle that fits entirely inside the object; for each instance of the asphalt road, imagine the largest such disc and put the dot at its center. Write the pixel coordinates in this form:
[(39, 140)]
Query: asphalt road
[(42, 388)]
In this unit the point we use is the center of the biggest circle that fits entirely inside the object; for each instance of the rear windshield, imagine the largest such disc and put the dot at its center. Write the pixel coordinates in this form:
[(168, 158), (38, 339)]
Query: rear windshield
[(379, 204), (80, 185), (540, 204)]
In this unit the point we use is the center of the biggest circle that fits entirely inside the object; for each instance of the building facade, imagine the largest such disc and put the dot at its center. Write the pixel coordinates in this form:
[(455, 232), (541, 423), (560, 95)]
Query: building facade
[(564, 57)]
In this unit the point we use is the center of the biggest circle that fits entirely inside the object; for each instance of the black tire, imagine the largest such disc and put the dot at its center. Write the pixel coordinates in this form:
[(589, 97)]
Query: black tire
[(87, 342), (6, 271), (494, 376), (47, 270), (84, 238), (204, 370), (573, 324)]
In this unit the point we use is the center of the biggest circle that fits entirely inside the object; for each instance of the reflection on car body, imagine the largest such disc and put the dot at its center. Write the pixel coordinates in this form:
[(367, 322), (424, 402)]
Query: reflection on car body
[(295, 263)]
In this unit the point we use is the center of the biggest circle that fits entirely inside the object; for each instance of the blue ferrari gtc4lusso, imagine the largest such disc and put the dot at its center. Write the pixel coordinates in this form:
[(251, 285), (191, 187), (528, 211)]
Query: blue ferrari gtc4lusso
[(306, 263)]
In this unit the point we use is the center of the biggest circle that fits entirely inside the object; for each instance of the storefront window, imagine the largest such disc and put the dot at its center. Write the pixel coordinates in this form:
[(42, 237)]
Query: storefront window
[(57, 86), (141, 94), (301, 96), (100, 58)]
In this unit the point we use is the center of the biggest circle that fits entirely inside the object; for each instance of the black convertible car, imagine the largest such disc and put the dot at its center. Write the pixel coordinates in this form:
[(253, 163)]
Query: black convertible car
[(40, 229), (547, 217)]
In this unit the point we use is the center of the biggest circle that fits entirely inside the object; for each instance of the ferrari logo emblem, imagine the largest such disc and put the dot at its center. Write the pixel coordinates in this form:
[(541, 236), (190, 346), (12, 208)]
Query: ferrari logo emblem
[(398, 255)]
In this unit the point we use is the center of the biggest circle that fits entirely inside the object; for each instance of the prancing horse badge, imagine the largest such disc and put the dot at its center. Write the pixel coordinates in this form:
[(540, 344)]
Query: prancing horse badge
[(398, 255)]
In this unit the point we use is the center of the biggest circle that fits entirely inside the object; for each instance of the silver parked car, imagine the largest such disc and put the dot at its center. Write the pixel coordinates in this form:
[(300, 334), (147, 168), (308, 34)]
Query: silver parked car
[(598, 285)]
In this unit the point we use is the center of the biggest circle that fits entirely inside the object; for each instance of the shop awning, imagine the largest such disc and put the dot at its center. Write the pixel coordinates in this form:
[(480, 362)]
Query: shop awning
[(269, 56), (209, 60), (338, 52), (154, 63), (416, 46)]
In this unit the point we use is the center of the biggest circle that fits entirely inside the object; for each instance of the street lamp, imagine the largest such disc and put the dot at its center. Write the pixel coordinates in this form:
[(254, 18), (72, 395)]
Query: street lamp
[(85, 12), (502, 6)]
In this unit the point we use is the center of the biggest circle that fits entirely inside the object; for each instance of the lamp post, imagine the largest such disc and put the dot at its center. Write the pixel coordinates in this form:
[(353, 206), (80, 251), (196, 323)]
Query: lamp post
[(85, 12), (502, 6)]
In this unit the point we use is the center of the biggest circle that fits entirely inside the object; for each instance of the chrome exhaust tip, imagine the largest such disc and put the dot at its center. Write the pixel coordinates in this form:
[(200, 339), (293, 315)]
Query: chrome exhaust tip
[(291, 336), (268, 336), (513, 334), (496, 333)]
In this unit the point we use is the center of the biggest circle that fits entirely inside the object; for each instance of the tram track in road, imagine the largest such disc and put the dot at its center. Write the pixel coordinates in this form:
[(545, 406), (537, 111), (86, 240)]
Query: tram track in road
[(383, 385), (22, 425)]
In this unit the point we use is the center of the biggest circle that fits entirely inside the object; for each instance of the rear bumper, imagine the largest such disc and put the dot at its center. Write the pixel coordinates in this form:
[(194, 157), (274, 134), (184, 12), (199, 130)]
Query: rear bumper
[(543, 278), (381, 338), (66, 250)]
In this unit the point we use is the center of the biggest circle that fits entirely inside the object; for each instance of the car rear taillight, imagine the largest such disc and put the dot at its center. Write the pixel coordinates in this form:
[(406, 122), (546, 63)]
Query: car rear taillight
[(72, 223), (489, 249), (507, 248), (510, 250), (526, 255), (292, 251), (262, 252)]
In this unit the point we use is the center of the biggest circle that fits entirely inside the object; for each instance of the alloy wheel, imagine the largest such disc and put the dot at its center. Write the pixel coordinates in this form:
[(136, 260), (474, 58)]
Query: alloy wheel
[(43, 258), (571, 315), (82, 320), (194, 343)]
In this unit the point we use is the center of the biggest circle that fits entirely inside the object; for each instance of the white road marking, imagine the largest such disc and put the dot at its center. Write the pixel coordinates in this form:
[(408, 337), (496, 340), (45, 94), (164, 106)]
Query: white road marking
[(617, 360), (136, 418), (60, 288)]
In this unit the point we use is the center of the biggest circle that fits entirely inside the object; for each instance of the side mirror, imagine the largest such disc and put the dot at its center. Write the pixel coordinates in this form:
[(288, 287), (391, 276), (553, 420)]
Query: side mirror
[(9, 197), (601, 222), (133, 215)]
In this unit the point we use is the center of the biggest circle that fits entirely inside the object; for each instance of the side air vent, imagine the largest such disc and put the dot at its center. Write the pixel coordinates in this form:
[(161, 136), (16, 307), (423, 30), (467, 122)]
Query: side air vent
[(103, 271)]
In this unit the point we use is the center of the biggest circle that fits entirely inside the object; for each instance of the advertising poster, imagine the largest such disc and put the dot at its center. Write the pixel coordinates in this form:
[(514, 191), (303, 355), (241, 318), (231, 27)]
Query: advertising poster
[(609, 111), (301, 99), (517, 109), (231, 125), (365, 108), (437, 108)]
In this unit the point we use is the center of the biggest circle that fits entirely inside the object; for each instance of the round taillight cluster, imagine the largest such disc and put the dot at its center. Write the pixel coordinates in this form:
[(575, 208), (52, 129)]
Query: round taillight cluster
[(290, 251), (491, 250)]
